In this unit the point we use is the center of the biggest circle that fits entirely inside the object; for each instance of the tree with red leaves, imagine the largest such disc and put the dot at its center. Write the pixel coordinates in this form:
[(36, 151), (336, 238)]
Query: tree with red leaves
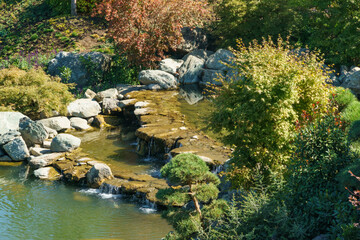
[(145, 29)]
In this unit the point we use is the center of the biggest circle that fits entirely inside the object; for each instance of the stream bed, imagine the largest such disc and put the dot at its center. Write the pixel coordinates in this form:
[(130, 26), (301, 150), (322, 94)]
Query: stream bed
[(36, 209)]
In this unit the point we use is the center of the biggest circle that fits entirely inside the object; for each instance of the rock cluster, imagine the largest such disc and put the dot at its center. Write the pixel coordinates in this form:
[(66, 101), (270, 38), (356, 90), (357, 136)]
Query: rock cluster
[(197, 67)]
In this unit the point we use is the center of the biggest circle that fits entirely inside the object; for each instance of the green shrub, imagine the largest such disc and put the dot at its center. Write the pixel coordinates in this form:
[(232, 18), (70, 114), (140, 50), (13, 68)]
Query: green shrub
[(33, 92), (352, 112), (354, 132), (344, 97), (196, 182), (86, 6), (259, 110), (59, 7), (310, 201)]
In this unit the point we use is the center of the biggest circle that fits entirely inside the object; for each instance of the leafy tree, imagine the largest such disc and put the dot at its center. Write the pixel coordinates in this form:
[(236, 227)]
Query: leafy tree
[(145, 29), (329, 25), (196, 181), (272, 86)]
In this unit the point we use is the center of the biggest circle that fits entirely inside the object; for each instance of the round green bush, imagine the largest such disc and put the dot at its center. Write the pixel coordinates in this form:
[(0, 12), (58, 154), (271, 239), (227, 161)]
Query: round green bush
[(33, 93)]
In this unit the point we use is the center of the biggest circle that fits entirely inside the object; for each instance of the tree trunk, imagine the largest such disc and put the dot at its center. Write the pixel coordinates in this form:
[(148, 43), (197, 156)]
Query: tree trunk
[(73, 8), (196, 203)]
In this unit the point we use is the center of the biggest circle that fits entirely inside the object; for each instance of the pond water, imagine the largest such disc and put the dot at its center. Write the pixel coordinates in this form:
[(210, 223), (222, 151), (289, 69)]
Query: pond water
[(35, 209)]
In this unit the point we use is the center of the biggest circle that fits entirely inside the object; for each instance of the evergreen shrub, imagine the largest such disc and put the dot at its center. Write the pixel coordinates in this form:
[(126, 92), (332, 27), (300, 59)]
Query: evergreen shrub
[(33, 93)]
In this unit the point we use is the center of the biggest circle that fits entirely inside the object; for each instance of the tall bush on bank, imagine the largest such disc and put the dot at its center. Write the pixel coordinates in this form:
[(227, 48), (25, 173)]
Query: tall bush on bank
[(33, 92), (273, 86), (311, 199), (146, 29)]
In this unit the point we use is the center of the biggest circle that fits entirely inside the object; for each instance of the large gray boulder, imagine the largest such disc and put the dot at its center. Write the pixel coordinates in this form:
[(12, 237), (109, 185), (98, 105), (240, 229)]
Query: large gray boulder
[(79, 123), (98, 174), (217, 60), (164, 79), (110, 105), (109, 93), (44, 160), (17, 149), (193, 38), (190, 72), (9, 136), (212, 77), (84, 108), (352, 80), (199, 53), (10, 121), (79, 63), (56, 123), (65, 143), (32, 132), (170, 65)]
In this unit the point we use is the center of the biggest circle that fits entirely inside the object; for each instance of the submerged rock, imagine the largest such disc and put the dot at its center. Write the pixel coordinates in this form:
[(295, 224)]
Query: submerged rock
[(98, 174), (65, 143)]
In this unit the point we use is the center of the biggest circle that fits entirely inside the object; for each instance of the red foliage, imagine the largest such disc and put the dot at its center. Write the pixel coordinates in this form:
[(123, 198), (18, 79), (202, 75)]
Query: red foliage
[(145, 29)]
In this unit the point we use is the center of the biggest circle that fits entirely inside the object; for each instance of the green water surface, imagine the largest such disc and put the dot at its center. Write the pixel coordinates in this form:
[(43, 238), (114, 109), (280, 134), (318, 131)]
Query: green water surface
[(36, 209)]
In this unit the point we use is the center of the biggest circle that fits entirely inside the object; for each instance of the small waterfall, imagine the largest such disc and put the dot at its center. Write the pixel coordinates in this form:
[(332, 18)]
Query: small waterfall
[(217, 169), (148, 207), (150, 145)]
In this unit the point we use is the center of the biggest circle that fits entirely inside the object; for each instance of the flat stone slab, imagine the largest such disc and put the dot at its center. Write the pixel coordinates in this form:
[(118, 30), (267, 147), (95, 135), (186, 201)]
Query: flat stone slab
[(36, 151), (56, 123), (44, 160)]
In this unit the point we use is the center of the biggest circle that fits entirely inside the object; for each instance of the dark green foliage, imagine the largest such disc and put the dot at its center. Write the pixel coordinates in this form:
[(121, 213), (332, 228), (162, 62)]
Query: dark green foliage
[(312, 199), (354, 132), (185, 169), (329, 25), (346, 180), (192, 174), (119, 73), (59, 7), (196, 184)]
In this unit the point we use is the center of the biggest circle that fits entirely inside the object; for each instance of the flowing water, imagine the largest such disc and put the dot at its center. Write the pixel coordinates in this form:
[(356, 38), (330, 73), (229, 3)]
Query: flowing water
[(35, 209)]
